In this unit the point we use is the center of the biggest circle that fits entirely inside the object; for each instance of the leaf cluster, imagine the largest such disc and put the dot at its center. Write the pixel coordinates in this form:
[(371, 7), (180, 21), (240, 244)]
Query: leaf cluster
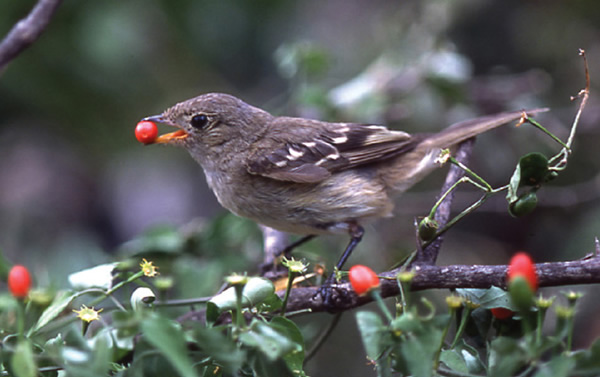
[(481, 345)]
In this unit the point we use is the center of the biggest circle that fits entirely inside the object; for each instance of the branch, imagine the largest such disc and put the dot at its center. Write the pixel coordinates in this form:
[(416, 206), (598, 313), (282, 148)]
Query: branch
[(429, 254), (585, 271), (27, 31)]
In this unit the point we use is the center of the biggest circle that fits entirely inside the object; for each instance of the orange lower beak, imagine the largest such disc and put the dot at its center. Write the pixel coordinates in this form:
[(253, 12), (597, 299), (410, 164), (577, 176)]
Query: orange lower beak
[(167, 138)]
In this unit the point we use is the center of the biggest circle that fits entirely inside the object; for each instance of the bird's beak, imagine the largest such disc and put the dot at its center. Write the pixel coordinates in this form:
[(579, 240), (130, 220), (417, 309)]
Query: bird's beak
[(169, 137)]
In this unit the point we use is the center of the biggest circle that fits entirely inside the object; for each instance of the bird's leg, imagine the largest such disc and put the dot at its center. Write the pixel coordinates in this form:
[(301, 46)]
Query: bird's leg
[(356, 233)]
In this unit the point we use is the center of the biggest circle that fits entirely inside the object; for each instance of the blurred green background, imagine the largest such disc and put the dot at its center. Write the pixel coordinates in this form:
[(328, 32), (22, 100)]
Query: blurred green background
[(75, 186)]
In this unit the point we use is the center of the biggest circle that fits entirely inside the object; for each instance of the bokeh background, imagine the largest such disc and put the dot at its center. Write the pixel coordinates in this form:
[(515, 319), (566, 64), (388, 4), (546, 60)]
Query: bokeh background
[(76, 189)]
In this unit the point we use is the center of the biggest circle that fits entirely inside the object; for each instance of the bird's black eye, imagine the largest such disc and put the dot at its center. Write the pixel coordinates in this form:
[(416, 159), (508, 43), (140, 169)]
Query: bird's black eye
[(199, 121)]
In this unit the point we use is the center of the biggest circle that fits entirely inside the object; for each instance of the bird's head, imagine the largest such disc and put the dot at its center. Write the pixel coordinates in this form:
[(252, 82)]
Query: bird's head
[(211, 124)]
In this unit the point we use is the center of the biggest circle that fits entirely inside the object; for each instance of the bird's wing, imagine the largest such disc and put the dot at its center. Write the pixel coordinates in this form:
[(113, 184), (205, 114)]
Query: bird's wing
[(310, 152)]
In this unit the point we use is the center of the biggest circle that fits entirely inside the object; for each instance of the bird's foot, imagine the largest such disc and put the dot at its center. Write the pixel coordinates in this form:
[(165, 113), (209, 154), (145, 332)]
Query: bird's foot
[(330, 295)]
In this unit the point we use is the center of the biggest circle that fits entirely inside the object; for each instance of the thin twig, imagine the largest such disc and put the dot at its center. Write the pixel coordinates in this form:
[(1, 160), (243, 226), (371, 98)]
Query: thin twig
[(27, 31), (584, 94)]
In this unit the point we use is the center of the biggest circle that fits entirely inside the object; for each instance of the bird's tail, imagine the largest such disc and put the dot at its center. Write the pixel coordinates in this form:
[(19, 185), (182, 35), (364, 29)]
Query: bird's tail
[(412, 166), (467, 129)]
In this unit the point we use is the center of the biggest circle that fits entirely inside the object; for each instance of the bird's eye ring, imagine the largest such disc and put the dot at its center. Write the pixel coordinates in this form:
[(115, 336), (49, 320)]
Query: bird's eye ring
[(199, 121)]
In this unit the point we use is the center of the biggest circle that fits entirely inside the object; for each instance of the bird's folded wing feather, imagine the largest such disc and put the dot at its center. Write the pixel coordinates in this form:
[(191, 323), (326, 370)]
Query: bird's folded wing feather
[(314, 152), (311, 151)]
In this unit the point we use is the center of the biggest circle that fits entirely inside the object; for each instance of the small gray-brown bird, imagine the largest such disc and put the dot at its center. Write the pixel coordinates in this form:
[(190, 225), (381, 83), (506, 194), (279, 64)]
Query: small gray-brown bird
[(306, 176)]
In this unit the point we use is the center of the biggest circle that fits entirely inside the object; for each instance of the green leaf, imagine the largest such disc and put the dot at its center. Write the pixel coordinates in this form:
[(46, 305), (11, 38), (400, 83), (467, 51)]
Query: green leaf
[(270, 304), (454, 360), (377, 339), (506, 357), (221, 348), (407, 322), (114, 338), (589, 360), (53, 346), (125, 328), (7, 302), (513, 185), (482, 321), (22, 360), (470, 355), (268, 340), (559, 366), (463, 358), (169, 340), (256, 291), (266, 367), (419, 341), (489, 298), (295, 358), (212, 312), (371, 330), (418, 351), (534, 169), (60, 302), (97, 360), (147, 361)]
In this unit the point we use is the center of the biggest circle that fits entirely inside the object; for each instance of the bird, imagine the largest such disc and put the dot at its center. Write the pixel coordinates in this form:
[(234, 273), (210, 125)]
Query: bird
[(305, 176)]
